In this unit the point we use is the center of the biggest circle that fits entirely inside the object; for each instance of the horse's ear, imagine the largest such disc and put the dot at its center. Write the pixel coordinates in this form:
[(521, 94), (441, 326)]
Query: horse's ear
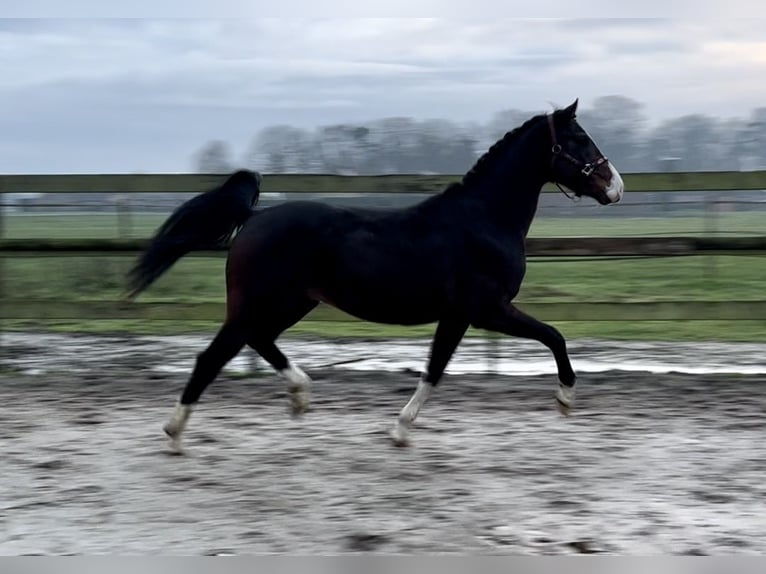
[(571, 109)]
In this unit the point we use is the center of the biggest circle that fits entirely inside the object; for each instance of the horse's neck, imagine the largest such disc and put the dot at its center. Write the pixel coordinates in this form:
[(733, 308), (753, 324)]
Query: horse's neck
[(513, 191)]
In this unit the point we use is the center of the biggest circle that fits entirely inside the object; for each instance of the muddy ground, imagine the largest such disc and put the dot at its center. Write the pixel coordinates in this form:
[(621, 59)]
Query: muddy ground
[(646, 464)]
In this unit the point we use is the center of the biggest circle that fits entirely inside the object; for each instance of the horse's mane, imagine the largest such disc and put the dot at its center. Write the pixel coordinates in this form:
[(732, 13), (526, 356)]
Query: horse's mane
[(481, 166)]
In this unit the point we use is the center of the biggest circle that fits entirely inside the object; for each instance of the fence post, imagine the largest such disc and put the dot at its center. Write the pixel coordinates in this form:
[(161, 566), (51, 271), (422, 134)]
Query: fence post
[(711, 230), (2, 266), (491, 342), (711, 216), (2, 210), (254, 363), (124, 219)]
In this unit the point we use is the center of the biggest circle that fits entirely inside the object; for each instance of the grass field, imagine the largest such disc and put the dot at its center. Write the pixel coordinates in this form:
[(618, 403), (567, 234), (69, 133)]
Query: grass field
[(142, 225), (706, 278), (714, 278)]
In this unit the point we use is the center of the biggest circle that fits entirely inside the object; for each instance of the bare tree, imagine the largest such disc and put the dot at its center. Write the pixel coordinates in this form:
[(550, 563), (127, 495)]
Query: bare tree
[(282, 149), (214, 157), (618, 124), (406, 145), (695, 140)]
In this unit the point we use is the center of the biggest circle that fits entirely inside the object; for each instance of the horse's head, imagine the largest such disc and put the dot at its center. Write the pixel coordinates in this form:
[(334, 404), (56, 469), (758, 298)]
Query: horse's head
[(577, 163)]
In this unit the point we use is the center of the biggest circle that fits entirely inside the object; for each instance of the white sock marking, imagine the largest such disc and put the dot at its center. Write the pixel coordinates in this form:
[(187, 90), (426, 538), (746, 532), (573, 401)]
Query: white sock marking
[(565, 395), (296, 377), (410, 412), (176, 425), (178, 421), (299, 387)]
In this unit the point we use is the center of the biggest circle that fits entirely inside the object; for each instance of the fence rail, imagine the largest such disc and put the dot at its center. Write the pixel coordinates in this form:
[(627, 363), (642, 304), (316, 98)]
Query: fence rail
[(318, 183), (536, 246)]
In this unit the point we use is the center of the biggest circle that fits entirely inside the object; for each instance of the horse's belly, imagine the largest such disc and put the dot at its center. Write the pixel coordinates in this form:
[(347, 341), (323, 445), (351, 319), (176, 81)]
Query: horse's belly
[(379, 306), (384, 280)]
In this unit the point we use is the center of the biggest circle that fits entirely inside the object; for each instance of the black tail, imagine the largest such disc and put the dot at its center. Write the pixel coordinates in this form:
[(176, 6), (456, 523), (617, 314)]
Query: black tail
[(206, 221)]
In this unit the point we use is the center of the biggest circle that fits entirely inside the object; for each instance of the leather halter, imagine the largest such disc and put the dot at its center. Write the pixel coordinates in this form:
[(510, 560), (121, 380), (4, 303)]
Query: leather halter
[(587, 169)]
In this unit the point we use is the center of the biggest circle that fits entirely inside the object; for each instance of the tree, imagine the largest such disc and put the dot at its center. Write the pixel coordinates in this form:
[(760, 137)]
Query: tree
[(443, 147), (694, 139), (343, 148), (754, 140), (504, 121), (282, 149), (394, 140), (618, 125), (405, 145), (214, 157)]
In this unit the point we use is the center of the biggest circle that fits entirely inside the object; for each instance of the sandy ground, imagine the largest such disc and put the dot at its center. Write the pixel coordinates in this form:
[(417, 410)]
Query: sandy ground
[(648, 463)]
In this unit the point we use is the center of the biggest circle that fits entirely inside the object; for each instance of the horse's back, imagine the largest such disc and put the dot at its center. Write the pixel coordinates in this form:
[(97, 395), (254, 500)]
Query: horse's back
[(304, 214), (297, 236)]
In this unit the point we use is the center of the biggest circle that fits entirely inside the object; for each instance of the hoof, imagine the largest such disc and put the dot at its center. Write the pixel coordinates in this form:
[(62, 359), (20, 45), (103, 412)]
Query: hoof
[(174, 428), (400, 436), (297, 413), (174, 438), (400, 442), (300, 401), (565, 399), (175, 448)]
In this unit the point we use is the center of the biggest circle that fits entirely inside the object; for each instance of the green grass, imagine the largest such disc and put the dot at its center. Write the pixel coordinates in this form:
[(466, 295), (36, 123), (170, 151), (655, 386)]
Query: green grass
[(753, 223), (198, 279), (713, 278), (598, 224), (705, 277), (80, 226)]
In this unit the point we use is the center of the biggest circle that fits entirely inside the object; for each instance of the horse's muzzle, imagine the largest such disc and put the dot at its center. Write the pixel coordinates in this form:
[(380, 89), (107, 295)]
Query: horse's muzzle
[(616, 188)]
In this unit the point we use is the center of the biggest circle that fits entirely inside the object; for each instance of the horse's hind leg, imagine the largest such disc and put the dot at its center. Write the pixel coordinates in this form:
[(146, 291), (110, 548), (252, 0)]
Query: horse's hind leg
[(298, 382), (268, 327), (224, 347)]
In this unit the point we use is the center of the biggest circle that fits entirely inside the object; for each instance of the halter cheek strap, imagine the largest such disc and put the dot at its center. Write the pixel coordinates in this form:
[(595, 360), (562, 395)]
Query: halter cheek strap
[(587, 169)]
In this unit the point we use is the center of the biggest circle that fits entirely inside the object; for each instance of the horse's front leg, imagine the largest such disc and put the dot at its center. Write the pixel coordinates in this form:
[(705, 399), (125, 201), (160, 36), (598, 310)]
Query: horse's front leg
[(449, 333), (509, 320)]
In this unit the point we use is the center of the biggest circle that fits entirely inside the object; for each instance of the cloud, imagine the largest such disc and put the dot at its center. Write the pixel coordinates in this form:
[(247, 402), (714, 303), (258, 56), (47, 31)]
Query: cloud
[(155, 90)]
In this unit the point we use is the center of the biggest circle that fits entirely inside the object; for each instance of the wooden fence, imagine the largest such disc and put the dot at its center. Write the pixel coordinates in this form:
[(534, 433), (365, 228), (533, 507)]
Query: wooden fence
[(168, 183), (718, 182)]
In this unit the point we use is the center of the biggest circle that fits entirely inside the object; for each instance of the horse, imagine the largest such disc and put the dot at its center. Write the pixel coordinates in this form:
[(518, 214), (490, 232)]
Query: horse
[(456, 259)]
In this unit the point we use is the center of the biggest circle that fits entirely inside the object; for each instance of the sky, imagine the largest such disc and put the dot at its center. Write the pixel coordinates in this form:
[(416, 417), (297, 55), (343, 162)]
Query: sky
[(144, 95)]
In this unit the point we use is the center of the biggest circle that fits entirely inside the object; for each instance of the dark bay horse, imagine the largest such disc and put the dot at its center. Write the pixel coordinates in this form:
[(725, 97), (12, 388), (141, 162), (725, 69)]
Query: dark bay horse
[(456, 259)]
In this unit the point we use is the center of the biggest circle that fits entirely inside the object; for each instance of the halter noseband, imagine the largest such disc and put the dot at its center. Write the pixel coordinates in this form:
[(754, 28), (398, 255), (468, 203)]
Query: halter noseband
[(587, 169)]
